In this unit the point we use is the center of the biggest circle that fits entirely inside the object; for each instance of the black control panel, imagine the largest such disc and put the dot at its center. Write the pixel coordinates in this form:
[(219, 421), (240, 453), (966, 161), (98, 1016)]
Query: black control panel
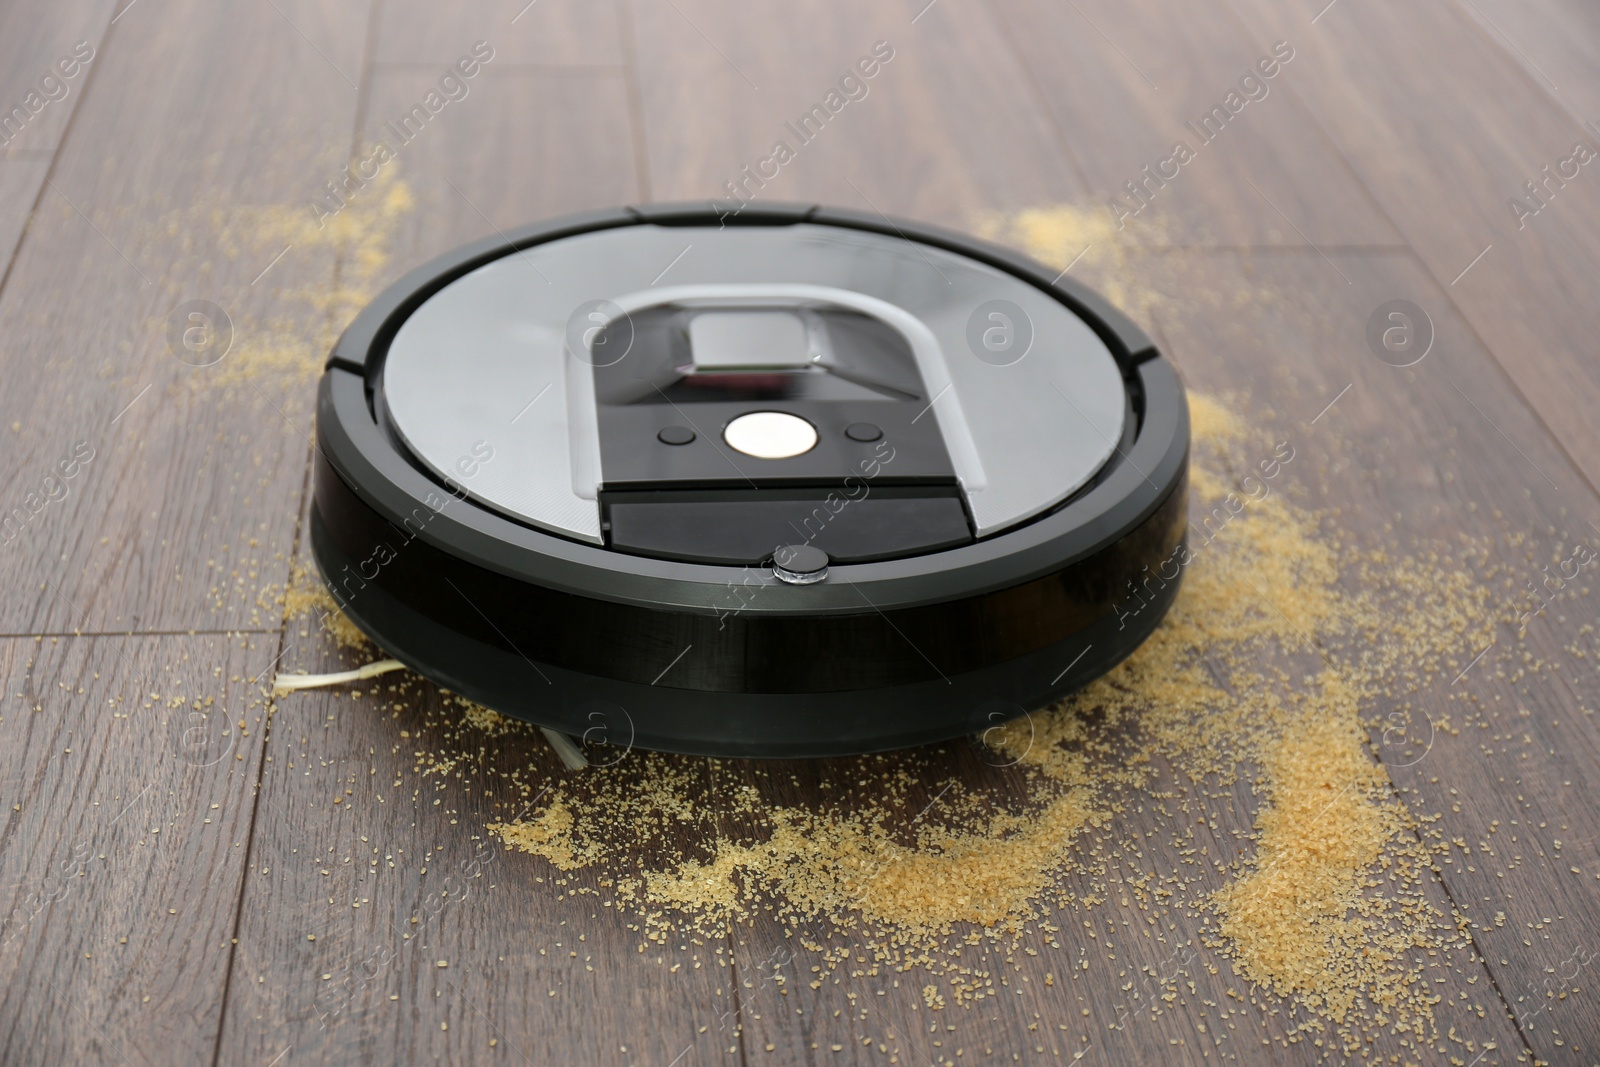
[(858, 467)]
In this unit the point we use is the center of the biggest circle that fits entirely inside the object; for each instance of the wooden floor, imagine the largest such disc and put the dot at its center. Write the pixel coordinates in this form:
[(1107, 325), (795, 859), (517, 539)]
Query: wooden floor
[(158, 906)]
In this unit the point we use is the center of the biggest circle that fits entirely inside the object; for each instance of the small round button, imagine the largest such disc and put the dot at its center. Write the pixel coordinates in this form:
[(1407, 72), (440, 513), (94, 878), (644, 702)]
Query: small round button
[(862, 431), (675, 435), (799, 564)]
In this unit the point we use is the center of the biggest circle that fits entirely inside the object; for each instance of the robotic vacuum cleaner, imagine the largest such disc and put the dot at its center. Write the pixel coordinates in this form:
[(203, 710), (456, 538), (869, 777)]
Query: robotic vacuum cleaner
[(795, 482)]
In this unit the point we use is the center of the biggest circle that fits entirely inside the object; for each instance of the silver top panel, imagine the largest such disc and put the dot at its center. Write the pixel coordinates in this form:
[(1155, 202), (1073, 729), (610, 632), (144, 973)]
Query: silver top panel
[(496, 364)]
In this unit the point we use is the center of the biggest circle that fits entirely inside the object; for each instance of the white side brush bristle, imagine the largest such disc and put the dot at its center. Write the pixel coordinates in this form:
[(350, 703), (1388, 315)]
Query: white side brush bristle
[(570, 754), (288, 682)]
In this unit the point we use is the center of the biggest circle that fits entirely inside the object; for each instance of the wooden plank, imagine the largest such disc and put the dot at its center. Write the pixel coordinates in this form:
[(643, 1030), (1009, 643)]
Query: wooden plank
[(46, 54), (1128, 89), (561, 32), (1445, 129), (188, 508), (946, 131), (1432, 455), (128, 787)]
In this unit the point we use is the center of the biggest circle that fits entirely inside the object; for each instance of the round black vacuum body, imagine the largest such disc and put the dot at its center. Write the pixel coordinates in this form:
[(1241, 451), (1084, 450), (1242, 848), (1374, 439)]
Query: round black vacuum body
[(789, 482)]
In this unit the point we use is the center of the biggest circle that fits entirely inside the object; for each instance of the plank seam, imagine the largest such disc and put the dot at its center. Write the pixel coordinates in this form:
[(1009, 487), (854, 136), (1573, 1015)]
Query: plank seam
[(255, 815), (54, 154), (363, 95)]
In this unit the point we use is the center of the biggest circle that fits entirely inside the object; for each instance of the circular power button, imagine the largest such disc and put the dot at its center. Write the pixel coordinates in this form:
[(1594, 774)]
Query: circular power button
[(771, 434), (799, 564)]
